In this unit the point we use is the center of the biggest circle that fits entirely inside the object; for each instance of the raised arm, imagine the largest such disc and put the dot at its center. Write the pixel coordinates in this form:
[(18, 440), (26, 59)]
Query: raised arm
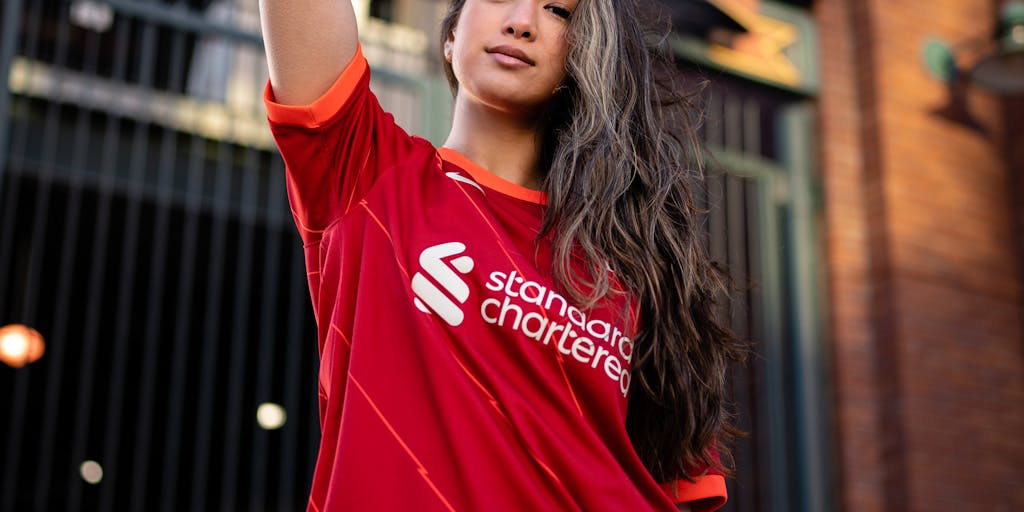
[(309, 43)]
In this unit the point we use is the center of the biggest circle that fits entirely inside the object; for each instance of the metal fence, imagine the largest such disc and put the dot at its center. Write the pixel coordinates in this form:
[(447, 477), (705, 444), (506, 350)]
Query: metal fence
[(761, 225), (144, 231)]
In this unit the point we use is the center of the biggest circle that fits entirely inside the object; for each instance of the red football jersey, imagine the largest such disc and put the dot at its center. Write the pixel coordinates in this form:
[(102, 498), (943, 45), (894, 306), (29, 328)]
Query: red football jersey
[(453, 374)]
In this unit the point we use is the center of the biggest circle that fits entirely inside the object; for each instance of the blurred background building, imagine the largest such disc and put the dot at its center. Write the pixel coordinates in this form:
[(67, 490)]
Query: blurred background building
[(872, 211)]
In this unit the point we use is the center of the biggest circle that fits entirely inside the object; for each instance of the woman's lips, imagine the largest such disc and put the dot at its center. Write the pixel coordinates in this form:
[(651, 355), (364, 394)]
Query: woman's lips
[(511, 56)]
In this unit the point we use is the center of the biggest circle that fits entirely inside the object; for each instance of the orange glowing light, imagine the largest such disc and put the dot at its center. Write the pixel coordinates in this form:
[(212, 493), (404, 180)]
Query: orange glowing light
[(20, 345)]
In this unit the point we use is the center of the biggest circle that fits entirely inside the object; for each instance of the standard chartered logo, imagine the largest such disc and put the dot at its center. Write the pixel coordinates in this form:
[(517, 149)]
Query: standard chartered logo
[(437, 298), (523, 307)]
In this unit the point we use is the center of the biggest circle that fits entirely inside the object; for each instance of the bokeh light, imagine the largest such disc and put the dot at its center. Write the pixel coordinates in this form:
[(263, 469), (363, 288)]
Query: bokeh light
[(91, 472), (270, 416), (20, 345)]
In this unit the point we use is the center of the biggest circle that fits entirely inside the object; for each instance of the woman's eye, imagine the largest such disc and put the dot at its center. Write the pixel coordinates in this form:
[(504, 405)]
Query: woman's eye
[(561, 12)]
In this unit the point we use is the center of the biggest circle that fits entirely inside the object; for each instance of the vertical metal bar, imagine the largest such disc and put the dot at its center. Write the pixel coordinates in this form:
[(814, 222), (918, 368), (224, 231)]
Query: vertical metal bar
[(211, 323), (125, 301), (733, 125), (79, 153), (172, 440), (240, 336), (141, 467), (773, 449), (736, 234), (717, 201), (57, 347), (96, 284), (729, 247), (753, 370), (43, 193), (51, 135), (269, 320), (7, 226), (294, 286), (744, 377), (269, 315), (8, 49), (811, 422), (36, 245), (142, 470), (713, 129), (17, 419), (743, 229), (752, 127), (97, 281), (701, 200)]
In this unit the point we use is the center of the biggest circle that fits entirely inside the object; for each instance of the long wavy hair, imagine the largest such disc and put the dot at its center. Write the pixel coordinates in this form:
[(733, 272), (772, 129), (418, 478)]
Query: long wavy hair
[(622, 155)]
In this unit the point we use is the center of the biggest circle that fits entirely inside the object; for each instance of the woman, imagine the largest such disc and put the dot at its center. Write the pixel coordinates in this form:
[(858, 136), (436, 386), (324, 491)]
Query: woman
[(488, 309)]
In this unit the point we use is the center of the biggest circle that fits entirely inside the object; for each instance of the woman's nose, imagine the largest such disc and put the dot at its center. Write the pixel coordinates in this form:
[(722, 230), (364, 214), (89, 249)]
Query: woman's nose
[(522, 20)]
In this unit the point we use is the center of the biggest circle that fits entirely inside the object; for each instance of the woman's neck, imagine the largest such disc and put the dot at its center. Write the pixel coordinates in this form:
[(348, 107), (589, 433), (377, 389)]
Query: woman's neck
[(503, 144)]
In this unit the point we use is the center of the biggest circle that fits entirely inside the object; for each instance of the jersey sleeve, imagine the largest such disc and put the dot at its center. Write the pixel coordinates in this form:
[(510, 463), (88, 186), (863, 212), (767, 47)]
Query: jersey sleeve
[(335, 148), (706, 493)]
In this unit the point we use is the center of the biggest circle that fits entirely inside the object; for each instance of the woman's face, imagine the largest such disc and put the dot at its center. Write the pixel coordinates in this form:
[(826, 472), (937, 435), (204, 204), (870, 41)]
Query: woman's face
[(510, 54)]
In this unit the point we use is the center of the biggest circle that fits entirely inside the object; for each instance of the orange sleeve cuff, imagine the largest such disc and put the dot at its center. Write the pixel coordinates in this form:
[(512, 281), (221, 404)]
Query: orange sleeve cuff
[(317, 114), (707, 494)]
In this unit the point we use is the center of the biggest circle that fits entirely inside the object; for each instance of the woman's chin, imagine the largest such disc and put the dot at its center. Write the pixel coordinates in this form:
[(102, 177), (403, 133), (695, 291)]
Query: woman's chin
[(510, 102)]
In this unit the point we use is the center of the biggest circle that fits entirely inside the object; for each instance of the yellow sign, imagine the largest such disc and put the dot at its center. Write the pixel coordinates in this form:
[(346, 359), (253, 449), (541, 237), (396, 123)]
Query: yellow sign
[(760, 51)]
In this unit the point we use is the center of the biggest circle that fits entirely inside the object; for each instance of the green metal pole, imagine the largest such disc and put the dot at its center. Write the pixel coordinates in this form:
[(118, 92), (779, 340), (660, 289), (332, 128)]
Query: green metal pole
[(810, 351), (772, 287)]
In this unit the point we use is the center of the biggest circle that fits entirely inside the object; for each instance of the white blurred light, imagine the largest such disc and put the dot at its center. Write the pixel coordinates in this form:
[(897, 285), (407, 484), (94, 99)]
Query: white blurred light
[(270, 416), (91, 472), (92, 15), (14, 346)]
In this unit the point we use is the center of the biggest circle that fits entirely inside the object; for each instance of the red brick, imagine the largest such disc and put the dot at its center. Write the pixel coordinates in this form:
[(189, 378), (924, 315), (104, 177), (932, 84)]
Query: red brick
[(923, 215)]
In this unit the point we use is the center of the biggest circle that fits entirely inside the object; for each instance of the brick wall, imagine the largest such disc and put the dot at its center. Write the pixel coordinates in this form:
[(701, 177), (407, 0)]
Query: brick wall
[(924, 271), (1013, 144)]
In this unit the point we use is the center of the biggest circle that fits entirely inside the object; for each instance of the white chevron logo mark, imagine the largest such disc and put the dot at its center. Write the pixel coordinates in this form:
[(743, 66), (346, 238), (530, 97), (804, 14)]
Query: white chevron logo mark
[(430, 297)]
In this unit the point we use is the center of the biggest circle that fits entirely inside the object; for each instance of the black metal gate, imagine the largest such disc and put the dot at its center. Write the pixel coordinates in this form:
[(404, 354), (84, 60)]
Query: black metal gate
[(144, 232)]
